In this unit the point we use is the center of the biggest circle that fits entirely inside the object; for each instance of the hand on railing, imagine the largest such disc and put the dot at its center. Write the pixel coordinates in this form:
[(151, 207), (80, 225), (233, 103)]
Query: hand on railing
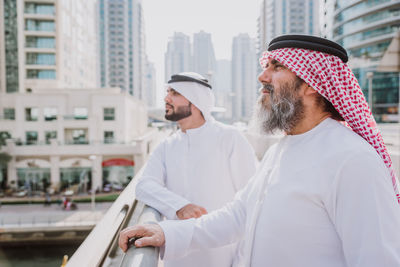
[(145, 235), (190, 211)]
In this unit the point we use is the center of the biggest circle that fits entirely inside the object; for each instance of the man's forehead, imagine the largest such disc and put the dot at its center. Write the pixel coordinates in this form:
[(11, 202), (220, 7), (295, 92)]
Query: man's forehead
[(273, 61)]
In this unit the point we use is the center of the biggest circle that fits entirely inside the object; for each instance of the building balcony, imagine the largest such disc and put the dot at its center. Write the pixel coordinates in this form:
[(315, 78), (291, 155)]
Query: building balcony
[(39, 33)]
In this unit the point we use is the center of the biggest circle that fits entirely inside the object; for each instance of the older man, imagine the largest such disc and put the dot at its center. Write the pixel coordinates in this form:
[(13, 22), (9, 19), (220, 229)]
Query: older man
[(199, 168), (325, 195)]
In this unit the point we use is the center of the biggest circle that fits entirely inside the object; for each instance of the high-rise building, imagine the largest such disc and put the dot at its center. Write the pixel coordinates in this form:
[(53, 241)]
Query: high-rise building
[(150, 82), (178, 55), (122, 45), (279, 17), (365, 29), (204, 56), (47, 44), (223, 90), (244, 76)]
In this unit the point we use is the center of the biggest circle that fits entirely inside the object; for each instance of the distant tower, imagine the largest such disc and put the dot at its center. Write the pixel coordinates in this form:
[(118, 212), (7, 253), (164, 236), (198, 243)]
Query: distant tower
[(178, 56), (244, 76), (279, 17), (204, 56), (122, 46)]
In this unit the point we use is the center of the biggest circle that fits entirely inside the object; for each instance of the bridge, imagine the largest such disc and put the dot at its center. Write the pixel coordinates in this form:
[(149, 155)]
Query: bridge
[(100, 248)]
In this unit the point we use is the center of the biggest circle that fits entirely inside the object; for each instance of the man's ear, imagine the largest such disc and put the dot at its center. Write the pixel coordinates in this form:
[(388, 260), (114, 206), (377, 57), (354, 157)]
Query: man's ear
[(308, 90)]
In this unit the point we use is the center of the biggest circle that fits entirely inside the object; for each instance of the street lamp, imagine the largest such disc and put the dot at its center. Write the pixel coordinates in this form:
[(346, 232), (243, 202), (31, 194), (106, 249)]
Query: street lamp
[(370, 75), (93, 158)]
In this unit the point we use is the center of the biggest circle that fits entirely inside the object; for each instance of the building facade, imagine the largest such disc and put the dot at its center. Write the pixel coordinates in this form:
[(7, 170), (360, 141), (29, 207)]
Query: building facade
[(47, 44), (178, 57), (366, 29), (63, 138), (244, 77), (279, 17), (204, 61), (150, 84), (122, 46)]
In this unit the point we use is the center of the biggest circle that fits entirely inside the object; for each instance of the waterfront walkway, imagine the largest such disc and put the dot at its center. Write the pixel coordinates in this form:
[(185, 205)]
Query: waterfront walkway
[(38, 215)]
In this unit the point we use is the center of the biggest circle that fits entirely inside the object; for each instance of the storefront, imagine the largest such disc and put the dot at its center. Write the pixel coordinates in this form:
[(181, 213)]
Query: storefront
[(75, 175), (33, 179), (33, 175), (117, 172)]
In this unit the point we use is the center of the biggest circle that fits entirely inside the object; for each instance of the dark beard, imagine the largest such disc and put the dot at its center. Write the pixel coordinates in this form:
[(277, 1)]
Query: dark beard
[(179, 114), (282, 112)]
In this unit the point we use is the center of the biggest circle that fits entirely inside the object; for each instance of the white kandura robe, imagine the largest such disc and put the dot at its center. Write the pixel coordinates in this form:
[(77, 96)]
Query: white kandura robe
[(320, 199), (205, 166)]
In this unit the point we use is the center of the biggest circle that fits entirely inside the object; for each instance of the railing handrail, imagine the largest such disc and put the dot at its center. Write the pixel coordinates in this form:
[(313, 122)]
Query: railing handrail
[(146, 256), (101, 244), (97, 245)]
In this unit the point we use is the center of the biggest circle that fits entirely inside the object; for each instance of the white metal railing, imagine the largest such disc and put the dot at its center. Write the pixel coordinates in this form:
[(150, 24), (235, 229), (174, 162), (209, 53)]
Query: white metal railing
[(100, 248)]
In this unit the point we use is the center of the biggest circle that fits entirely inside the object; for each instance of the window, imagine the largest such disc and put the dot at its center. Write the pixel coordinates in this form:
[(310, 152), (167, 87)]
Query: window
[(31, 137), (40, 42), (3, 137), (79, 136), (50, 135), (31, 114), (36, 8), (41, 74), (109, 114), (50, 114), (108, 137), (80, 113), (9, 114), (40, 59), (39, 25)]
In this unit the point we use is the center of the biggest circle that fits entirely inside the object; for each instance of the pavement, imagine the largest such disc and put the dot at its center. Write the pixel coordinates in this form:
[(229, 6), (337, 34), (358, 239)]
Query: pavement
[(31, 215)]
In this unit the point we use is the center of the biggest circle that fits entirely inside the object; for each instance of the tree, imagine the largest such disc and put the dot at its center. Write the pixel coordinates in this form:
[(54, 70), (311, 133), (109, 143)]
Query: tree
[(4, 157)]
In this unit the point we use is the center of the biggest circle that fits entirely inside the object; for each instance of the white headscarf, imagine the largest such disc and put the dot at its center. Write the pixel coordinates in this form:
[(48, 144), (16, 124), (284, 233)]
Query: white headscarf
[(199, 95)]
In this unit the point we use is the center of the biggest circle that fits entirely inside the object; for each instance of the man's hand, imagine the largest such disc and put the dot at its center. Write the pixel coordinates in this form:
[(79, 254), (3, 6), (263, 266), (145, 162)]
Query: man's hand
[(190, 211), (147, 234)]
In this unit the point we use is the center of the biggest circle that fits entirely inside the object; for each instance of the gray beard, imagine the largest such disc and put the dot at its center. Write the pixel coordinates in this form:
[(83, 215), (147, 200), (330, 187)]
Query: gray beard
[(281, 113)]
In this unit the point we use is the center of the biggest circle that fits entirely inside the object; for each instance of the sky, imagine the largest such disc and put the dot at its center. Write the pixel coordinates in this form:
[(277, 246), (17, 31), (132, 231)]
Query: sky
[(224, 19)]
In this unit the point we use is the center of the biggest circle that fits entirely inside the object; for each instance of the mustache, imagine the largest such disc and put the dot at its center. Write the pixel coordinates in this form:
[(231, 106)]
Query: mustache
[(267, 87), (169, 105)]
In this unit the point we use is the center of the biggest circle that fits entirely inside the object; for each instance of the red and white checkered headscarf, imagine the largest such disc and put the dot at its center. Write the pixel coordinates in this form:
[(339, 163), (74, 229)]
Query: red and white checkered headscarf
[(334, 80)]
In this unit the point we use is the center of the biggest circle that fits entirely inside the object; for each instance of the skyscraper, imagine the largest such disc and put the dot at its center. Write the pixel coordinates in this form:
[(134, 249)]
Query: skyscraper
[(178, 55), (223, 90), (279, 17), (365, 29), (122, 45), (150, 82), (47, 44), (204, 56), (244, 76)]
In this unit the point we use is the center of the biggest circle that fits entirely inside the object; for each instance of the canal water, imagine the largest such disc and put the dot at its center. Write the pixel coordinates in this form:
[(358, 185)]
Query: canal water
[(35, 255)]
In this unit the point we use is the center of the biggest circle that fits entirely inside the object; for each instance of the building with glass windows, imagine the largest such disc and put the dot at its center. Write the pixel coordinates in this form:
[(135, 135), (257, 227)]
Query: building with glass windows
[(204, 61), (279, 17), (122, 46), (243, 77), (47, 44), (178, 57), (61, 138), (366, 29)]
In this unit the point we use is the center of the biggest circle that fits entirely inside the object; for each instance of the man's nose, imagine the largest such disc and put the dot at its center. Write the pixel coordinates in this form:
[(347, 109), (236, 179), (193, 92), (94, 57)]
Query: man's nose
[(167, 99), (265, 76)]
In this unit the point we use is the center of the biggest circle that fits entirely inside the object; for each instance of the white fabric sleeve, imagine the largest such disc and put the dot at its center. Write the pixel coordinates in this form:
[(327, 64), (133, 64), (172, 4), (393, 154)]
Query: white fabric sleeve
[(365, 212), (216, 229), (242, 161), (151, 189)]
